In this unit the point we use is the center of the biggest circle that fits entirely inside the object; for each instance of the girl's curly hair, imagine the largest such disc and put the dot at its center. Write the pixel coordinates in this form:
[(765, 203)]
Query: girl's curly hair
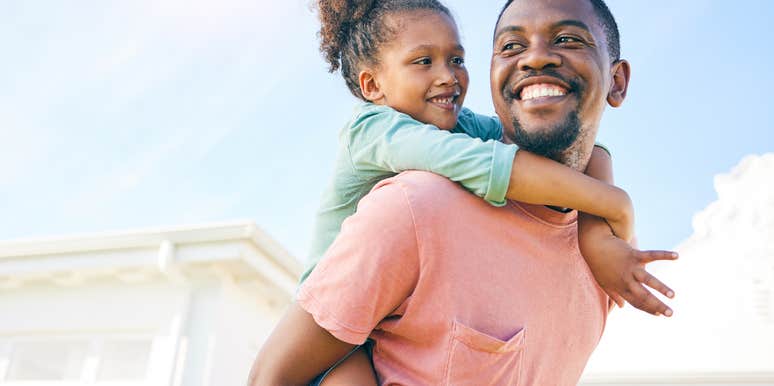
[(353, 31)]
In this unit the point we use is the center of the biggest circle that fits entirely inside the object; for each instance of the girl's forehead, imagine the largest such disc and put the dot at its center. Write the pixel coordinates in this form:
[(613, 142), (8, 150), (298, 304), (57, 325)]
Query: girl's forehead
[(418, 17), (423, 25)]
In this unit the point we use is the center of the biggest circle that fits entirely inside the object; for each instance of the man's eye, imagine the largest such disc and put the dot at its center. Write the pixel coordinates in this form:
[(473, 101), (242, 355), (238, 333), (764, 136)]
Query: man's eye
[(458, 60), (512, 46), (424, 61), (567, 40)]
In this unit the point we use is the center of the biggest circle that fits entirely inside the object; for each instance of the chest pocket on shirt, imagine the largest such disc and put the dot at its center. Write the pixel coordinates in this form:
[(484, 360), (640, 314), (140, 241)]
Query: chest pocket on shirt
[(476, 358)]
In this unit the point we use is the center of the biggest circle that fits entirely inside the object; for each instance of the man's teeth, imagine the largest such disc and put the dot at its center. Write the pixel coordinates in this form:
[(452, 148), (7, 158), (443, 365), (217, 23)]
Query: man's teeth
[(445, 100), (541, 90)]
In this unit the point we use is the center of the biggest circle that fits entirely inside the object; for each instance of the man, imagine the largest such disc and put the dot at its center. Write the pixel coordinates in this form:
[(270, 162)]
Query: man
[(451, 289)]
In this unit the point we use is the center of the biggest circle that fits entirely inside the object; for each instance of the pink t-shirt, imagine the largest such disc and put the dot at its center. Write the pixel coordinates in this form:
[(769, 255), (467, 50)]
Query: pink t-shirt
[(455, 291)]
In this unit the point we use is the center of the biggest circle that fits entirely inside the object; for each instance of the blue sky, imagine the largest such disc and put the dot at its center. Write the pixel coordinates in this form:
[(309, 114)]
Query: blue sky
[(118, 114)]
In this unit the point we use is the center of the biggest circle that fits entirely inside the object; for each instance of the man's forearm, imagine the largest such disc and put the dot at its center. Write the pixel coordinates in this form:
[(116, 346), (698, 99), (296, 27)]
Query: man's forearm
[(296, 351)]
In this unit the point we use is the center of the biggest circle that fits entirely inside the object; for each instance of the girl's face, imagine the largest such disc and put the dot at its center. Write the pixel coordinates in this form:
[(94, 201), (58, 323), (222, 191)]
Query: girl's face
[(422, 71)]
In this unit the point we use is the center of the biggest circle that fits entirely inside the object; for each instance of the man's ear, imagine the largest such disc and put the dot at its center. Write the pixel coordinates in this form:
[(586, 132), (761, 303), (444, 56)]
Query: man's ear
[(621, 72), (369, 86)]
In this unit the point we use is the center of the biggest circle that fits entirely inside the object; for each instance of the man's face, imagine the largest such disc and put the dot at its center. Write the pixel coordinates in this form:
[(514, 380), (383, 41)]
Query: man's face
[(551, 76)]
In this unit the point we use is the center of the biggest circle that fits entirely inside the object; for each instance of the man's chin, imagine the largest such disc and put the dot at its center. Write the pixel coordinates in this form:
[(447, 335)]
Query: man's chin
[(546, 138)]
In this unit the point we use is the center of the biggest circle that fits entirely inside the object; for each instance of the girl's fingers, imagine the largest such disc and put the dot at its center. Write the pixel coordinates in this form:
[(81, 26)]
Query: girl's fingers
[(651, 281), (619, 300), (642, 299), (651, 256)]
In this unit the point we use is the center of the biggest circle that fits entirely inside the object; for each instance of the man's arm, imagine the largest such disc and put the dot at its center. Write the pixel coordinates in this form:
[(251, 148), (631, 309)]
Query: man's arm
[(375, 253), (296, 351)]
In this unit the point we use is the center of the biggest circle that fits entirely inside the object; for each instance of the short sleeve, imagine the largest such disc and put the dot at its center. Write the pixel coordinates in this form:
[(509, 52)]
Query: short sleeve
[(369, 271)]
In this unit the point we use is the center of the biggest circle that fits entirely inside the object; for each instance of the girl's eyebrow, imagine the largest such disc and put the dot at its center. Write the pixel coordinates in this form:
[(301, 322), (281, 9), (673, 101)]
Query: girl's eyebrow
[(428, 47)]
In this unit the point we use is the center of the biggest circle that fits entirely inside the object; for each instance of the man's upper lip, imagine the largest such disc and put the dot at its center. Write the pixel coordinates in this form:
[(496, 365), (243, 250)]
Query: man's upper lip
[(537, 80), (446, 94)]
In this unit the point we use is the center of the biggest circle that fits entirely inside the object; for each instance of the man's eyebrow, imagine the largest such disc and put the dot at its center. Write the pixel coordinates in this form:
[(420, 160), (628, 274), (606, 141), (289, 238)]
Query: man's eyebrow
[(574, 23), (509, 28)]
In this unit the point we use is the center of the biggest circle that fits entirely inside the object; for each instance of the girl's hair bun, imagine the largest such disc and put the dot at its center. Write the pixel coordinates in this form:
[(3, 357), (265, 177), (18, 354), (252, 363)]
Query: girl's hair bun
[(338, 18)]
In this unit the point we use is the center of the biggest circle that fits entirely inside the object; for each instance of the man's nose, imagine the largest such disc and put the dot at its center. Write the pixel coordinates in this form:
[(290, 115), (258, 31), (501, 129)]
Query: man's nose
[(538, 57)]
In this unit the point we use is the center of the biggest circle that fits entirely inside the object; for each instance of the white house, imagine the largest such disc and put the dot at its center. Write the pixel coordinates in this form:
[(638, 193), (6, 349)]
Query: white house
[(179, 306)]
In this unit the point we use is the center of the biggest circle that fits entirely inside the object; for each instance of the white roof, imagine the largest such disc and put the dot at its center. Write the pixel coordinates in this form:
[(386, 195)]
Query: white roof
[(239, 249)]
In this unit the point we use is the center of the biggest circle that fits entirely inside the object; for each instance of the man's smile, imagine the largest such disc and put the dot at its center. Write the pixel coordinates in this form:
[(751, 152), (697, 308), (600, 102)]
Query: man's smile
[(540, 91)]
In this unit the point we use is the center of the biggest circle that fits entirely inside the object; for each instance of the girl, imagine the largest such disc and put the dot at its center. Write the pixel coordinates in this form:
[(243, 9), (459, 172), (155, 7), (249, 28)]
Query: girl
[(404, 60)]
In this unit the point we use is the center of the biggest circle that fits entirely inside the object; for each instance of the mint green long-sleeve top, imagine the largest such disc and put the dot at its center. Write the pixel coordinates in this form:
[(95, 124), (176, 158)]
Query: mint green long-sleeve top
[(379, 142)]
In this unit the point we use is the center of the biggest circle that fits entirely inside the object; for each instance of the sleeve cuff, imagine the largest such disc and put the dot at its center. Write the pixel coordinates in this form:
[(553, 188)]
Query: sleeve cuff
[(500, 174), (603, 147), (326, 320)]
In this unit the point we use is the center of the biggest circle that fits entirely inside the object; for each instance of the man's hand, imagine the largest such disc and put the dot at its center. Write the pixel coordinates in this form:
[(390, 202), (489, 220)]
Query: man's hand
[(620, 269)]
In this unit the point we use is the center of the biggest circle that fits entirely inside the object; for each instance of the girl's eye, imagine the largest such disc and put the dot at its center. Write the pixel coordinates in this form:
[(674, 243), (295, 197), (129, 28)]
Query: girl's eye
[(424, 61), (458, 60)]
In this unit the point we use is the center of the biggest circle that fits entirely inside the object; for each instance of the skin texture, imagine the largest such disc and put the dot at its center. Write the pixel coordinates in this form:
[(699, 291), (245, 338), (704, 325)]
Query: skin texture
[(426, 60)]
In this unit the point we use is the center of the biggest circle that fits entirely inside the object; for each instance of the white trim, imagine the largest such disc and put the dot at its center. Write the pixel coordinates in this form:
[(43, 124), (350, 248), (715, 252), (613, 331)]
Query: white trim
[(179, 342), (151, 238)]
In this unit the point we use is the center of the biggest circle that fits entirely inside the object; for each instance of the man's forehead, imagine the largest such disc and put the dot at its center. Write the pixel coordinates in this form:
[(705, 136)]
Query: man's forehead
[(541, 13)]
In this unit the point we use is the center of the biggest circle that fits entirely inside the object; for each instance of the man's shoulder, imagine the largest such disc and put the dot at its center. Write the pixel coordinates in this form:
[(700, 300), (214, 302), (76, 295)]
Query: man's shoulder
[(424, 188)]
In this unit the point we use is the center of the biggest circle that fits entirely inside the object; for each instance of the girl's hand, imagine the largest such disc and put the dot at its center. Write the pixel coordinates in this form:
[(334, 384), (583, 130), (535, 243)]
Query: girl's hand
[(620, 269)]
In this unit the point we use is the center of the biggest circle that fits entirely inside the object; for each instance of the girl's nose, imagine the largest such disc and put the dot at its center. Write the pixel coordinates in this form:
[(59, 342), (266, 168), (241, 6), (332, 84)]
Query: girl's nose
[(446, 76)]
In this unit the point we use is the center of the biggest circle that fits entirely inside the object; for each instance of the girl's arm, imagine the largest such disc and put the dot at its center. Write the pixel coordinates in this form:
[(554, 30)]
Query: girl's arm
[(296, 336), (539, 180), (356, 369), (617, 267), (381, 140)]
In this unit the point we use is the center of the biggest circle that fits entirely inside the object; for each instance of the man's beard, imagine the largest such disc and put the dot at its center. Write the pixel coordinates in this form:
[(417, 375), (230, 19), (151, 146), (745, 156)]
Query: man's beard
[(554, 142), (551, 142)]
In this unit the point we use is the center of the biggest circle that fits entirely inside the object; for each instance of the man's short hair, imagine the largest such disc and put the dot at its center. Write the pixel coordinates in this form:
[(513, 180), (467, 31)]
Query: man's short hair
[(606, 21)]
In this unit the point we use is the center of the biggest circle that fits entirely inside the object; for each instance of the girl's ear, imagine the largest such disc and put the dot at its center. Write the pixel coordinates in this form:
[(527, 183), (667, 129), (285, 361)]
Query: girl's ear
[(369, 86), (621, 73)]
